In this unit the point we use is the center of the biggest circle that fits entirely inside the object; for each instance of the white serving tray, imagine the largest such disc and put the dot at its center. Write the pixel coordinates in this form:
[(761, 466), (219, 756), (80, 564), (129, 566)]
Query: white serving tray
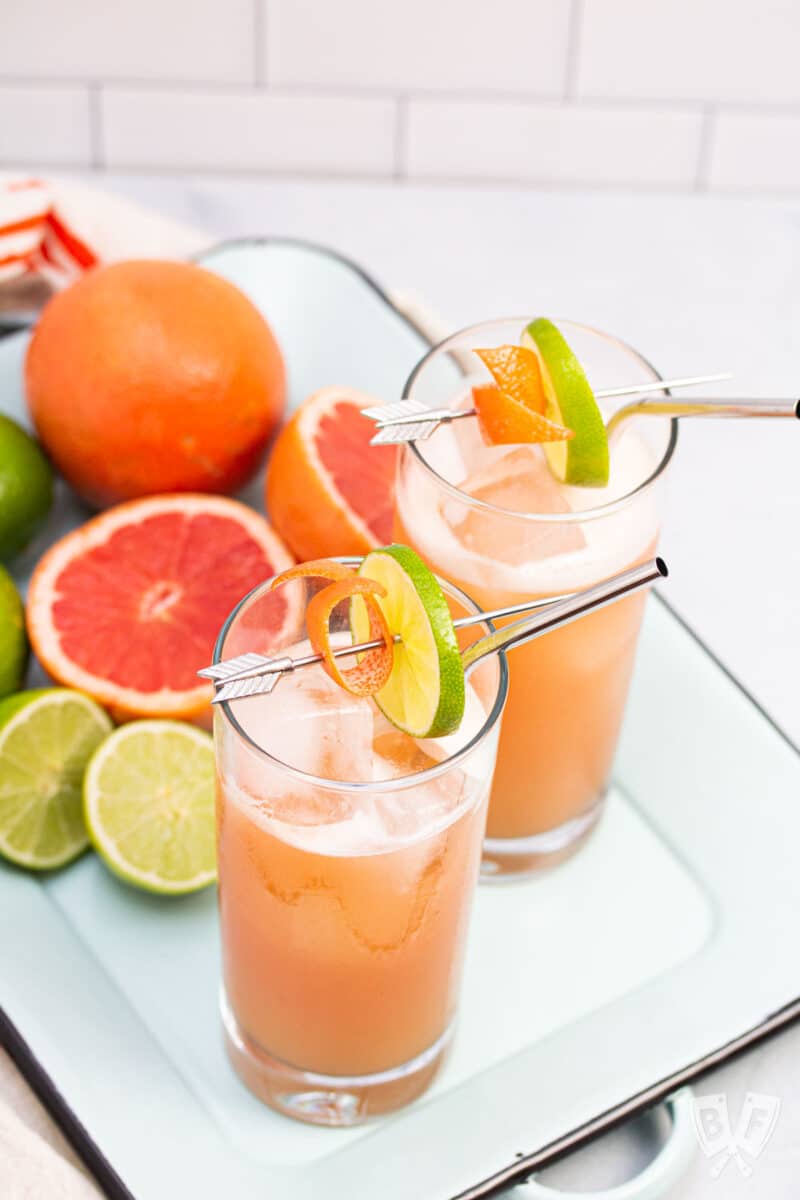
[(589, 993)]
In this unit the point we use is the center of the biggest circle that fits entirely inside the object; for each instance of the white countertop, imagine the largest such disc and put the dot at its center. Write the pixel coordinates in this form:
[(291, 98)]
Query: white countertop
[(698, 284)]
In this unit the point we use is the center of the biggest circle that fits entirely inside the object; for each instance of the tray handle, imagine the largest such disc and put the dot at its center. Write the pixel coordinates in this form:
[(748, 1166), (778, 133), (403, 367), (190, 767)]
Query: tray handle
[(655, 1180)]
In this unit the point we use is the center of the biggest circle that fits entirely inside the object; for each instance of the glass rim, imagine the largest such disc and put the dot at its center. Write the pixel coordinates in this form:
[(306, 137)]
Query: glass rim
[(380, 786), (576, 515)]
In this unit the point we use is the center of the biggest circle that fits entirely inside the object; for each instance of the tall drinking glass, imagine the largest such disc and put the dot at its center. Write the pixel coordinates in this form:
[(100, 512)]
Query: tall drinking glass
[(348, 854), (496, 522)]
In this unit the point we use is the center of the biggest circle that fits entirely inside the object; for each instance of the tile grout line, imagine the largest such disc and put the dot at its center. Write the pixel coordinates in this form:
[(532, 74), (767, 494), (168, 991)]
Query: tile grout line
[(331, 175), (708, 131), (260, 25), (295, 176), (572, 65), (96, 130), (456, 96), (353, 92)]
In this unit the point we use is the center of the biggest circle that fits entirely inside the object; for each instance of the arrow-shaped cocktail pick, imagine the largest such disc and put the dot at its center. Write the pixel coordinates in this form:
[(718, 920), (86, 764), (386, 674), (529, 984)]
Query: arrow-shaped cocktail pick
[(413, 421), (266, 670), (237, 678)]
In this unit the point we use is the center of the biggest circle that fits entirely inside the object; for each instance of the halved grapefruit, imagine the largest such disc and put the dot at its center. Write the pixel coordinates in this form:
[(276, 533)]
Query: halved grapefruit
[(327, 490), (127, 608)]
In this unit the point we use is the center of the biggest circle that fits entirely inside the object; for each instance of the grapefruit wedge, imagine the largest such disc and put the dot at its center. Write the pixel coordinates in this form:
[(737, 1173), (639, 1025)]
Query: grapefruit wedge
[(127, 608), (327, 490)]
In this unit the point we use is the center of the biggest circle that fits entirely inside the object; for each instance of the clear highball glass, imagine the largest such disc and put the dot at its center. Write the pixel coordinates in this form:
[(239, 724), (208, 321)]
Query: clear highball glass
[(495, 522), (345, 888)]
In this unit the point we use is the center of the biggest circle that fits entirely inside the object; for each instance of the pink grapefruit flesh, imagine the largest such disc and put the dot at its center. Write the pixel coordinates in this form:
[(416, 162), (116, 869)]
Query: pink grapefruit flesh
[(363, 474), (128, 607)]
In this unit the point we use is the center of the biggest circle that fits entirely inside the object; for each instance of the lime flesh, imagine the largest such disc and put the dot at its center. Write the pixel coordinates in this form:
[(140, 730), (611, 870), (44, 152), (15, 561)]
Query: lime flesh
[(149, 806), (425, 693), (583, 460), (46, 739)]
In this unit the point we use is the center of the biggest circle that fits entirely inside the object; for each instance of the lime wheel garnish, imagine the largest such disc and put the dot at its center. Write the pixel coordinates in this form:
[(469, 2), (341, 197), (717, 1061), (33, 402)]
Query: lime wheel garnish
[(424, 695), (583, 459), (415, 677)]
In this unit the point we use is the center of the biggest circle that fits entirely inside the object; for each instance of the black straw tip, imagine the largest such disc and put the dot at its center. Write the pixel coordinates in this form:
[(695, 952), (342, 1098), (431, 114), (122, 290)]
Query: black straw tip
[(662, 567)]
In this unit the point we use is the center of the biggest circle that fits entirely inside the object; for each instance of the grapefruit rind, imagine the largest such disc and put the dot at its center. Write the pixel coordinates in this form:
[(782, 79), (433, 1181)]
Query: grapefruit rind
[(303, 502), (188, 704), (373, 667), (504, 421), (517, 372)]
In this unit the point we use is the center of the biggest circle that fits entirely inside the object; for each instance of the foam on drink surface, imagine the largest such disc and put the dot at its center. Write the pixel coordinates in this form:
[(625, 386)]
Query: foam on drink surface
[(312, 724), (524, 556)]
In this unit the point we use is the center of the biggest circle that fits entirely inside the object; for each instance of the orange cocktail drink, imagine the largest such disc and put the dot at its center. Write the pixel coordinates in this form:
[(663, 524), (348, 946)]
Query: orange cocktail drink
[(496, 521), (348, 854)]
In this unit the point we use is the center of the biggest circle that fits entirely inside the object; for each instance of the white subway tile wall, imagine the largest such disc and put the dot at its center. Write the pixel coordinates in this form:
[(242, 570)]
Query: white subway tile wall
[(472, 46), (756, 151), (741, 51), (169, 40), (248, 130), (44, 123), (683, 94), (474, 139)]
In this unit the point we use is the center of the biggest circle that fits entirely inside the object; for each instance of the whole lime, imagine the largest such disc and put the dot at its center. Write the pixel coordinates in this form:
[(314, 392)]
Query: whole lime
[(13, 639), (26, 488)]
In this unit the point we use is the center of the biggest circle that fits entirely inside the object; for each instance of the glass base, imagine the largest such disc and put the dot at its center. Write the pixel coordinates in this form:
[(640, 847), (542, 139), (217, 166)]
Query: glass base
[(507, 859), (327, 1099)]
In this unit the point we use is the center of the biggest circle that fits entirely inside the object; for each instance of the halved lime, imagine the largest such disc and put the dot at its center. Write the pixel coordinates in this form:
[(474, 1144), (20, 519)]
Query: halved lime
[(46, 739), (425, 693), (149, 804), (583, 460)]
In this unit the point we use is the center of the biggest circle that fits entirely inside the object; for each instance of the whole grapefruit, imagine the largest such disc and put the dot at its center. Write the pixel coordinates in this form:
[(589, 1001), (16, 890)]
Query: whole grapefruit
[(153, 376)]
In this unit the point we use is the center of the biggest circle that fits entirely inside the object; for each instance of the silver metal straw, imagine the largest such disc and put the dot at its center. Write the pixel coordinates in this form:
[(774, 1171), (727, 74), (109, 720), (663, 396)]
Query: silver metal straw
[(562, 612), (701, 407), (257, 675), (413, 421)]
